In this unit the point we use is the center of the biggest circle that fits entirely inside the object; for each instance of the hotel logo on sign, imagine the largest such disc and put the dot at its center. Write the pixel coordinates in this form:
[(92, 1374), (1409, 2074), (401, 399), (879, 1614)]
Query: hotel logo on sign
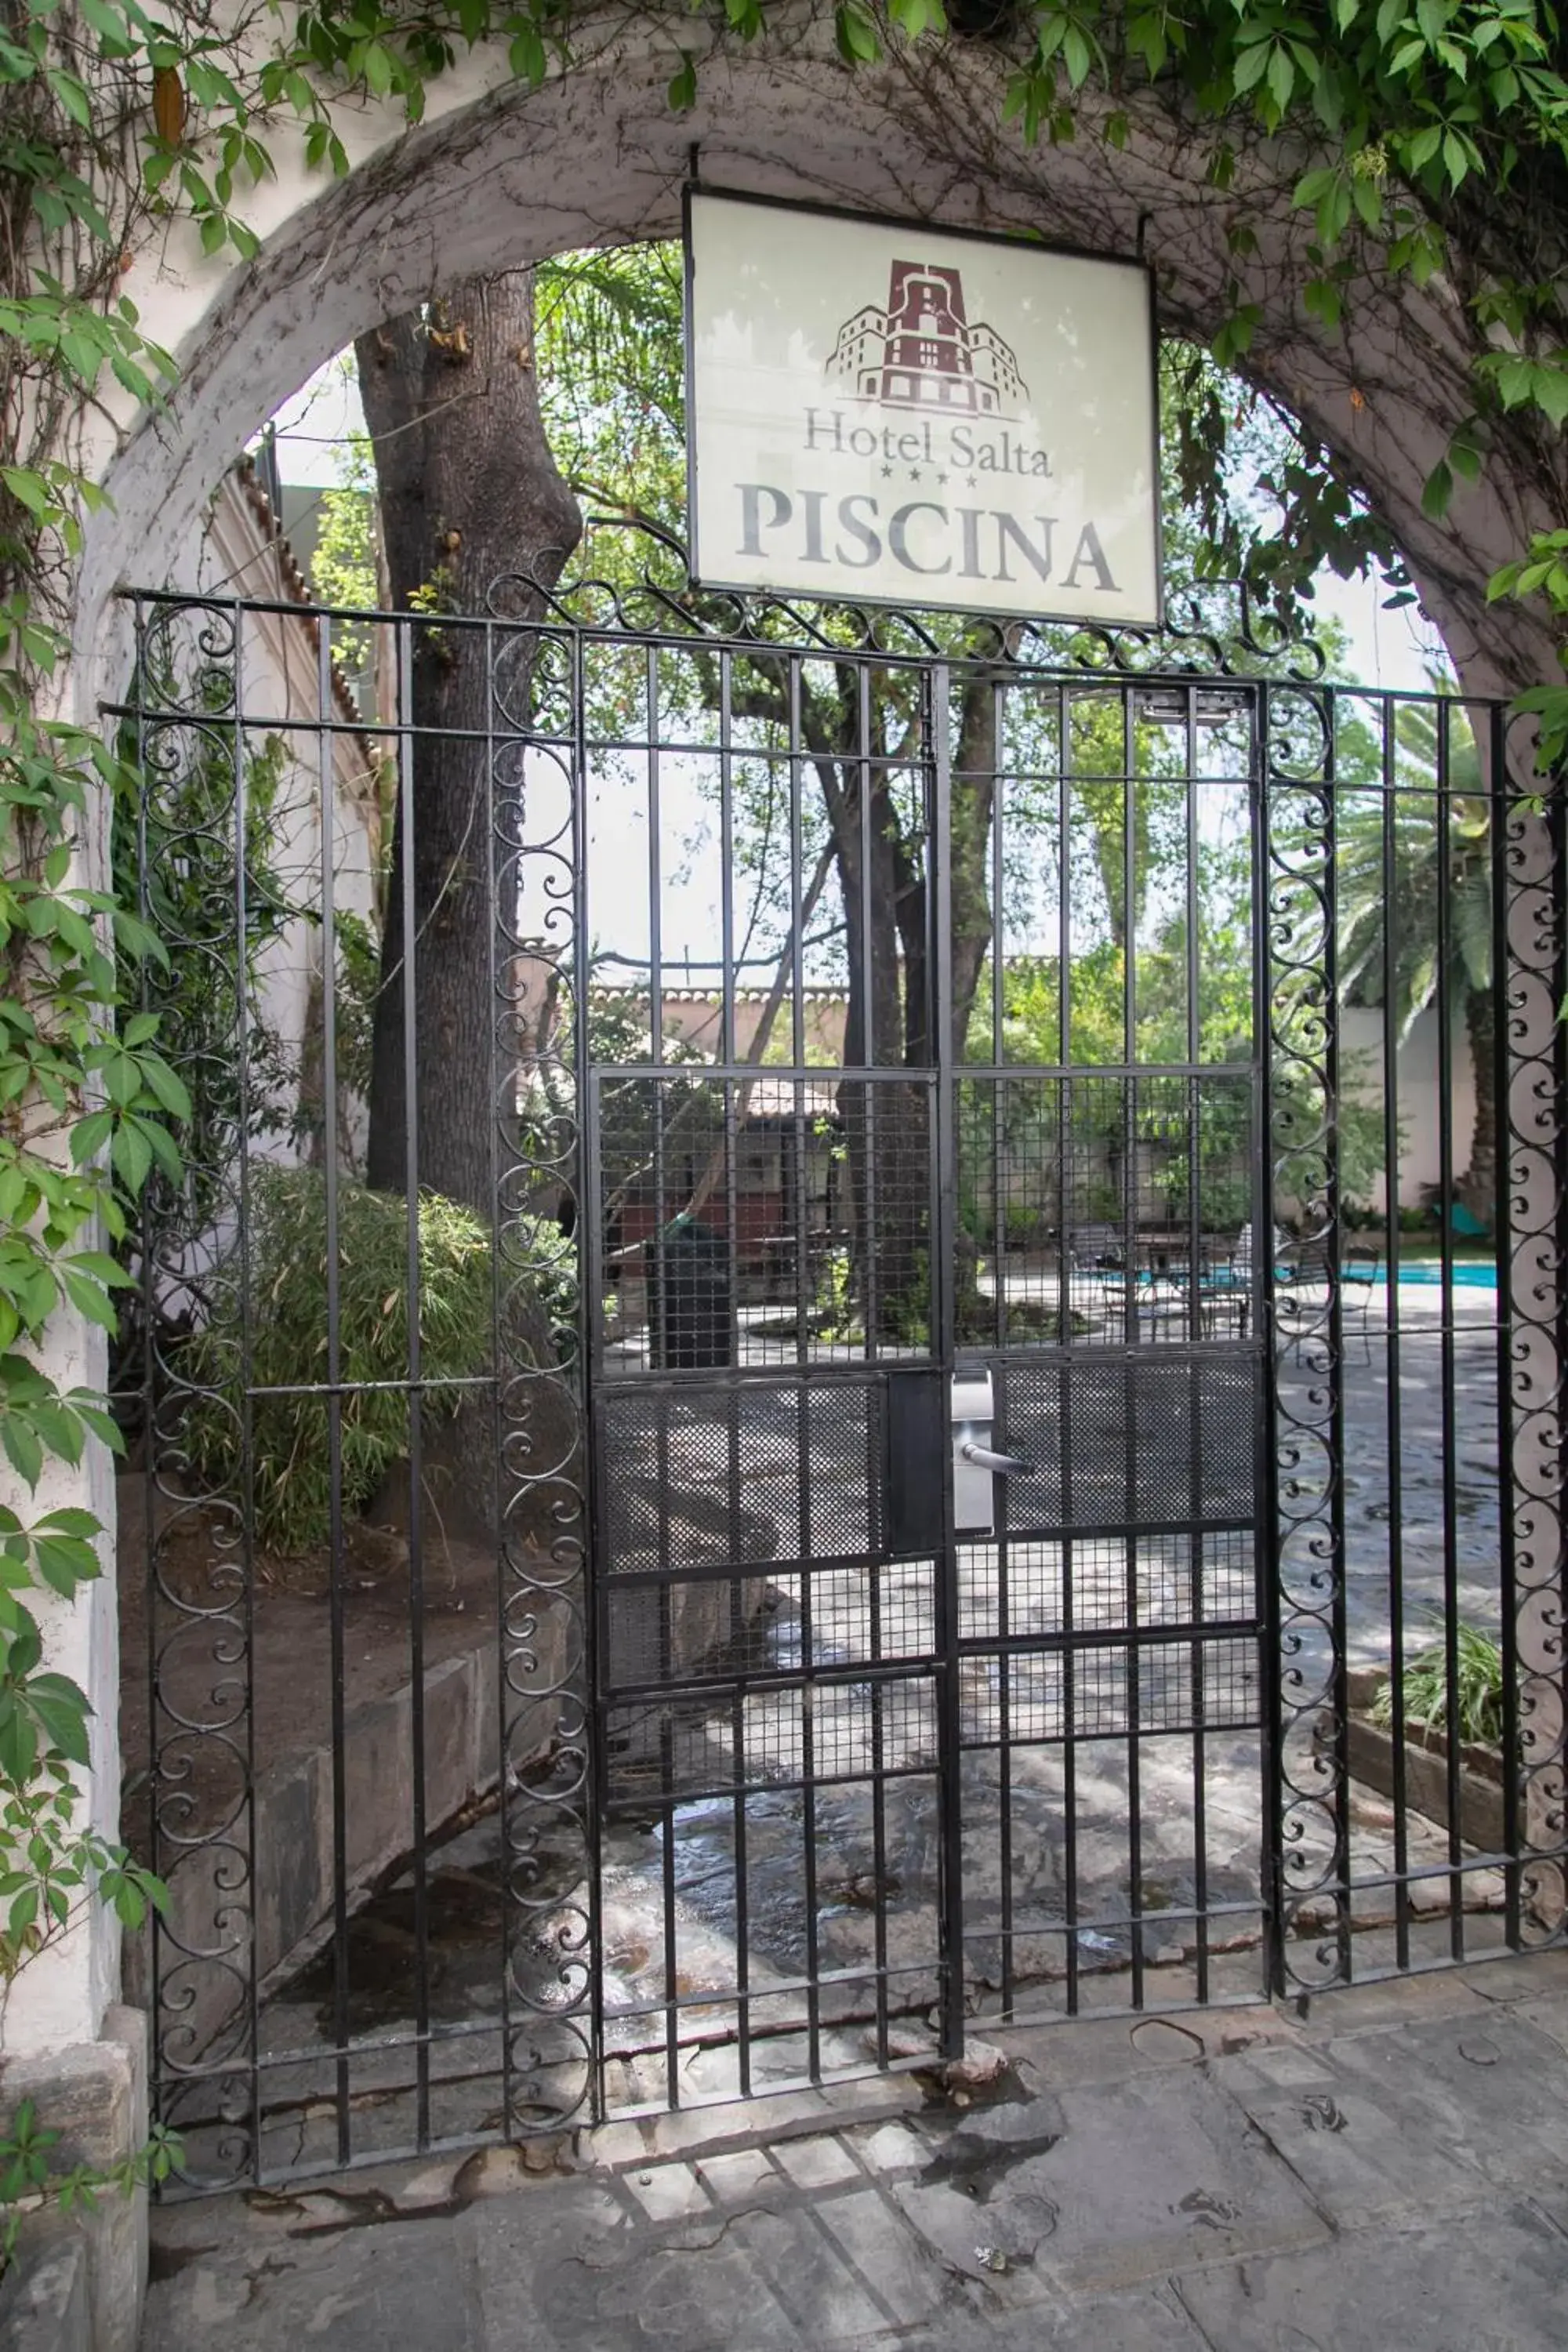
[(901, 454), (921, 351)]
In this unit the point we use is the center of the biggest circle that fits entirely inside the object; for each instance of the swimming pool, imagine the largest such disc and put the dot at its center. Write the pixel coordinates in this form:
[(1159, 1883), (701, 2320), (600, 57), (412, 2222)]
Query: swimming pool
[(1471, 1273)]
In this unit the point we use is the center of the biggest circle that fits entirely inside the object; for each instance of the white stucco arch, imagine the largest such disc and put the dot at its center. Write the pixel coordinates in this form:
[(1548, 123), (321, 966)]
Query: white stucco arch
[(498, 175)]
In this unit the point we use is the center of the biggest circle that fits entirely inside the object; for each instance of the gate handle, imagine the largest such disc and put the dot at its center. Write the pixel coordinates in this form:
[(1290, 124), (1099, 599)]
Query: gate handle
[(1004, 1466)]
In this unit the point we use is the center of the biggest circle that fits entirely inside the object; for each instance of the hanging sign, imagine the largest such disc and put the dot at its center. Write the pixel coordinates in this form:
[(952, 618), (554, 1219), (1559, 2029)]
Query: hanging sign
[(882, 413)]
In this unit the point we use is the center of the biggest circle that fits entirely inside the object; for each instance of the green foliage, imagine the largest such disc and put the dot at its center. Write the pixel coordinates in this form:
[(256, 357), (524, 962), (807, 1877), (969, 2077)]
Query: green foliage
[(28, 2177), (1479, 1689), (342, 568), (1422, 862), (358, 985), (607, 340), (177, 855), (50, 1868), (85, 1098), (1543, 572), (1373, 888), (277, 1301)]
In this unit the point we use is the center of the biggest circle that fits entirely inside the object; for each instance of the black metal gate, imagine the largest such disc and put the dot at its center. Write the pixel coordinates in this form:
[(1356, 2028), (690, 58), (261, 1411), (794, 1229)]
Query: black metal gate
[(902, 1505), (915, 1497)]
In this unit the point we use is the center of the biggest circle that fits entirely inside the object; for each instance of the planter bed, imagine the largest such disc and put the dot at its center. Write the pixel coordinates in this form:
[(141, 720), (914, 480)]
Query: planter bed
[(1370, 1758)]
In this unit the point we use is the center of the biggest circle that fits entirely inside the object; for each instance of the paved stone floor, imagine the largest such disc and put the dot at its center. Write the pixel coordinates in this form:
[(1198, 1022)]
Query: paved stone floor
[(1386, 2173), (1118, 1906)]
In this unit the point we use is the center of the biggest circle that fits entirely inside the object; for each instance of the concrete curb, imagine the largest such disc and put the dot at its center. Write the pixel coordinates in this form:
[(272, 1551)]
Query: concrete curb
[(95, 2095), (44, 2301)]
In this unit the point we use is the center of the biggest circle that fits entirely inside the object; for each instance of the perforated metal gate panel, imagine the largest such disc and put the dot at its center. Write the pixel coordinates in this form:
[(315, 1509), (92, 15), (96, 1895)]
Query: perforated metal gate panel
[(798, 1270)]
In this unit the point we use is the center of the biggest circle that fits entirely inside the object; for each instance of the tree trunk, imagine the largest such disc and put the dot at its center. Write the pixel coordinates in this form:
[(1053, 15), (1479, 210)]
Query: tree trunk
[(469, 492), (974, 765), (1480, 1189), (883, 872), (901, 876)]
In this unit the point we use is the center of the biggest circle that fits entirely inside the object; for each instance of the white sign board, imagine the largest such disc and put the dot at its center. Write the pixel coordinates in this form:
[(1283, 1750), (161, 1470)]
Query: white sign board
[(883, 413)]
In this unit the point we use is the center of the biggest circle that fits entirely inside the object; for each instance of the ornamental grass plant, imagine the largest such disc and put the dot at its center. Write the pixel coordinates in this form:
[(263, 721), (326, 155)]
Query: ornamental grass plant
[(279, 1285), (1477, 1689)]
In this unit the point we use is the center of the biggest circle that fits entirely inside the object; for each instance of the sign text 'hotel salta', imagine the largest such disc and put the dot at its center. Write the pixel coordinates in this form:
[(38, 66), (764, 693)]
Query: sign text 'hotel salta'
[(889, 414)]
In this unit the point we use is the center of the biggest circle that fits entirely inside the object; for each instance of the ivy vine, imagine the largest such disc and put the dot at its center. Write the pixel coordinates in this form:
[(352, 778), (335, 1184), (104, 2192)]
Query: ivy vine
[(1434, 121)]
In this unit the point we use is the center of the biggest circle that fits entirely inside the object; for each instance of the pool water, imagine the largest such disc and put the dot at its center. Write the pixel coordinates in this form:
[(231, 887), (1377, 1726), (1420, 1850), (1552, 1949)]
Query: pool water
[(1473, 1274)]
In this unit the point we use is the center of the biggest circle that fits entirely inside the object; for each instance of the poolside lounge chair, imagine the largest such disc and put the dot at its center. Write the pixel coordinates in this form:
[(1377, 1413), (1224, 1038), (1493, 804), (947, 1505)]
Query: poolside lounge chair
[(1301, 1282)]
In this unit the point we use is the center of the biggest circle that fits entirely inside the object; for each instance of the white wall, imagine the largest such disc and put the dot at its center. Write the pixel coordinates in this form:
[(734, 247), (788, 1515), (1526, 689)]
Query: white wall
[(240, 555), (61, 1997), (1418, 1067)]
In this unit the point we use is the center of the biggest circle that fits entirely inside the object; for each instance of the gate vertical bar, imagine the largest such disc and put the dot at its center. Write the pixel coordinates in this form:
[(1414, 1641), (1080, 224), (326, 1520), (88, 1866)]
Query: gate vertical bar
[(1445, 1327), (1495, 774), (1131, 1084), (334, 1367), (150, 1391), (585, 1178), (1267, 1564), (1332, 1207), (1309, 1816), (497, 865), (247, 1333), (1002, 1378), (868, 1039), (1394, 1423), (1064, 1177), (416, 1360), (1535, 1137), (736, 1101), (944, 1241), (1198, 1542), (411, 1277), (805, 1414)]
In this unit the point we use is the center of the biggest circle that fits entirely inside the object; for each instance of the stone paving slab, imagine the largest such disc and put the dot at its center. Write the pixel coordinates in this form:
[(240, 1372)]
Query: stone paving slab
[(407, 2284), (1149, 2320), (1166, 2173), (1385, 2174), (1357, 2162), (1492, 2089), (1518, 1976), (1495, 2284), (587, 2278)]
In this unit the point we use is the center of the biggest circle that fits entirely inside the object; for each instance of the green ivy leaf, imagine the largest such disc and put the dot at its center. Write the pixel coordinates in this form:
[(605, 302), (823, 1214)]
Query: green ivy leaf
[(856, 35), (23, 1450), (1438, 491), (131, 1155), (29, 488), (526, 56)]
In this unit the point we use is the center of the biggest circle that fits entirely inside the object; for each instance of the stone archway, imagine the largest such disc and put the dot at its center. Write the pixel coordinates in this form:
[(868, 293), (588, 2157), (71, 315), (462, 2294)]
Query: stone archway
[(500, 176)]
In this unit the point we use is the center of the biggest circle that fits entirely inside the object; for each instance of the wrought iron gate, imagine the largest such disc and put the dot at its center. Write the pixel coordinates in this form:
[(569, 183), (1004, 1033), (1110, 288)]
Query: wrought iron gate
[(903, 1504), (921, 1387)]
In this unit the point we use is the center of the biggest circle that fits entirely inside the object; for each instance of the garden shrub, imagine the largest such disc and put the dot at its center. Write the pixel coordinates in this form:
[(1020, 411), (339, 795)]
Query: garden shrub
[(287, 1288)]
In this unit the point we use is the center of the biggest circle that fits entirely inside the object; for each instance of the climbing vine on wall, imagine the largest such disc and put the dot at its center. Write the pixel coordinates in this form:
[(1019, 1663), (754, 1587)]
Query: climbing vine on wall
[(1439, 128)]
